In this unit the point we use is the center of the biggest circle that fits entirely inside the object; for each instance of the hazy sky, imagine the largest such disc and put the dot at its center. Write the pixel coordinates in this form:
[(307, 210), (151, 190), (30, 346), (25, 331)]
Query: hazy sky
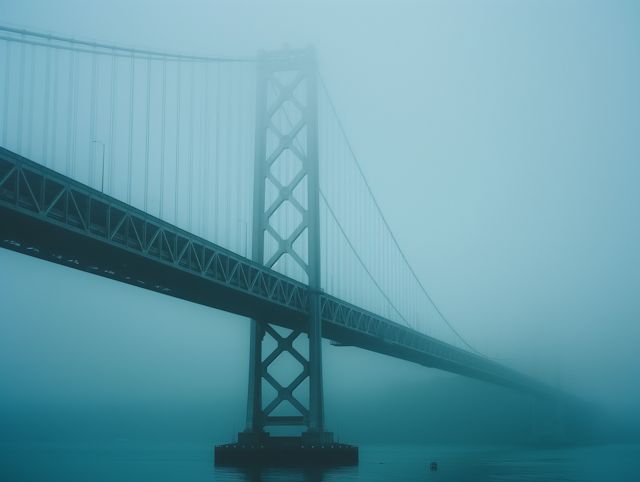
[(502, 142)]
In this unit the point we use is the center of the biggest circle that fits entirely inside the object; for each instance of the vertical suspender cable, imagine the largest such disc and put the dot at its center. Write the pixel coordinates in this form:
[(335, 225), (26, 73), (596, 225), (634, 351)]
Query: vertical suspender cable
[(240, 160), (203, 148), (177, 177), (93, 120), (21, 97), (329, 234), (336, 194), (365, 235), (321, 146), (206, 157), (399, 252), (54, 117), (146, 150), (74, 116), (162, 138), (217, 186), (246, 143), (47, 88), (5, 120), (362, 228), (130, 157), (334, 243), (325, 254), (190, 183), (228, 152), (31, 91), (353, 194), (112, 126), (199, 202), (69, 112)]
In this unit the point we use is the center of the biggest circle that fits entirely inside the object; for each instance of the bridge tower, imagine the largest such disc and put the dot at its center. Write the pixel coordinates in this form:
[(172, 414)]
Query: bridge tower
[(287, 86), (548, 420)]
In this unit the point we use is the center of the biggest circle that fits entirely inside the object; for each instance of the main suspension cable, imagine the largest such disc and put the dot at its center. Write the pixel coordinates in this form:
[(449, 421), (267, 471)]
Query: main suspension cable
[(362, 262), (391, 233), (73, 44)]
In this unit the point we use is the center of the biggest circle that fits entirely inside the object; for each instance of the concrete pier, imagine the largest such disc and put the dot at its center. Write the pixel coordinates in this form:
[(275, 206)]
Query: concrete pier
[(284, 451)]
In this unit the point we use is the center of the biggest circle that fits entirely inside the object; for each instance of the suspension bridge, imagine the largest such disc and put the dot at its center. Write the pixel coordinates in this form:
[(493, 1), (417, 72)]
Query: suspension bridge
[(227, 182)]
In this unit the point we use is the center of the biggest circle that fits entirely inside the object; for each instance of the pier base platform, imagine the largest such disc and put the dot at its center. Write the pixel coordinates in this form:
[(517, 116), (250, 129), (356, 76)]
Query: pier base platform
[(284, 451)]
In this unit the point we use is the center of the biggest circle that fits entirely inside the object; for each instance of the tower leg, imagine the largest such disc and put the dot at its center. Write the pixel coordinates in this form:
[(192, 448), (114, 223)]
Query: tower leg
[(548, 420), (254, 432), (317, 432)]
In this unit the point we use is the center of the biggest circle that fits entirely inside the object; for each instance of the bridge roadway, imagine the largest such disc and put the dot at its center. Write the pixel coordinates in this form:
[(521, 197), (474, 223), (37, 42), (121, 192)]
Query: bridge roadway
[(52, 217)]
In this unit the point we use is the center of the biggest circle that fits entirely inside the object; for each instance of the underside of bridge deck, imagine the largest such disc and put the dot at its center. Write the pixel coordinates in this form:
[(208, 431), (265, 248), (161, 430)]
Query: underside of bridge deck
[(46, 215), (49, 216), (24, 233)]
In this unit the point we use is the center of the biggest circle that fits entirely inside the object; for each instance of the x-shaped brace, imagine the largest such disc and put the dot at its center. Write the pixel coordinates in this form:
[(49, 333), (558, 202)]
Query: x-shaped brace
[(284, 393)]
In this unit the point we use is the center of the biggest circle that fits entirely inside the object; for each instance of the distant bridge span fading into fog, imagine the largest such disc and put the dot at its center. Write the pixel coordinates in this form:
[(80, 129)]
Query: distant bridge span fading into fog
[(156, 170)]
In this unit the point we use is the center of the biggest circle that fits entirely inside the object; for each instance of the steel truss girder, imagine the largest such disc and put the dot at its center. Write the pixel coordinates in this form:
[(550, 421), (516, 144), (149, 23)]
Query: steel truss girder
[(39, 192), (33, 191), (389, 336)]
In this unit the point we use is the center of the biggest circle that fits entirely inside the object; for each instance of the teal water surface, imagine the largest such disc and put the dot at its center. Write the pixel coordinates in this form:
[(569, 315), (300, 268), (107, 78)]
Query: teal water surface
[(136, 461)]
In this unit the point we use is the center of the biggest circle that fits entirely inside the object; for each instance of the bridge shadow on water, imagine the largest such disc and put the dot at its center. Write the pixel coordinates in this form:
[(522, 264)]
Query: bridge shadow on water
[(126, 460), (302, 474)]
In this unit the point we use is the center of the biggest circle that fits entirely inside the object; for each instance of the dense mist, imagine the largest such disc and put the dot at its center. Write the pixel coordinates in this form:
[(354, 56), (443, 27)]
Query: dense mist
[(129, 364), (501, 142)]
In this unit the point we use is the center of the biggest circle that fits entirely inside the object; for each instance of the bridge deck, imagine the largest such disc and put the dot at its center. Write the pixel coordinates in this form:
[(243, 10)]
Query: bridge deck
[(50, 216)]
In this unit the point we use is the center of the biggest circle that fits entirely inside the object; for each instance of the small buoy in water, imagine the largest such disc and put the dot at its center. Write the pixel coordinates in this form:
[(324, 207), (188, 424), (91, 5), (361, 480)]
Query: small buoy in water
[(434, 465)]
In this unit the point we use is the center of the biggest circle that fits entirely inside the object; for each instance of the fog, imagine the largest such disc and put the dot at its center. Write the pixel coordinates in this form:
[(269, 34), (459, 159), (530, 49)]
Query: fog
[(501, 141)]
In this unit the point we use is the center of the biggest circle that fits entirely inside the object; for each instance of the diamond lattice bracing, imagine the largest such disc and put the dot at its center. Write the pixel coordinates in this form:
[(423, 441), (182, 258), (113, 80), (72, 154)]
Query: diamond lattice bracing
[(285, 369), (268, 393), (286, 117), (281, 81), (301, 193), (271, 246), (297, 142), (273, 142), (300, 140), (300, 92), (284, 409), (286, 167), (285, 219), (302, 393), (269, 344), (270, 193), (301, 345), (290, 267), (301, 245)]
